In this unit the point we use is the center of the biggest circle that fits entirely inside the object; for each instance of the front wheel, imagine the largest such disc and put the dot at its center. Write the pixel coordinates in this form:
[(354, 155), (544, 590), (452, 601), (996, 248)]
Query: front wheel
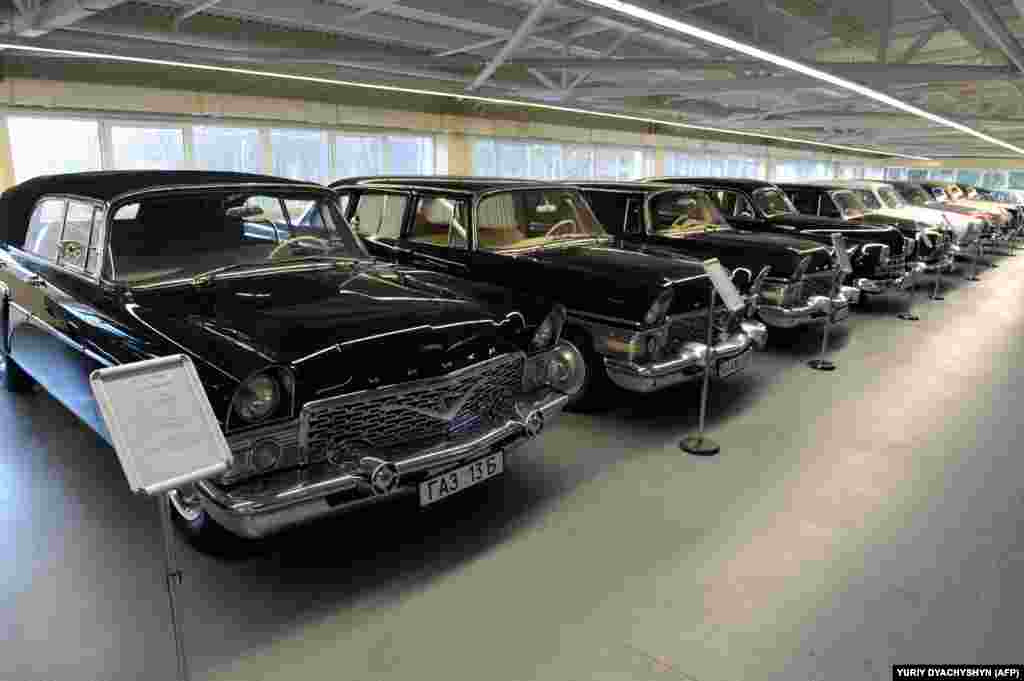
[(202, 531), (597, 387)]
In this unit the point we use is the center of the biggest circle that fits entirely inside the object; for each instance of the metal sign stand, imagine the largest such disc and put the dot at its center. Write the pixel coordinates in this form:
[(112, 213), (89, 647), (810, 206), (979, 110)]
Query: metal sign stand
[(908, 315), (937, 291), (844, 266), (700, 444), (974, 261), (172, 578), (822, 364)]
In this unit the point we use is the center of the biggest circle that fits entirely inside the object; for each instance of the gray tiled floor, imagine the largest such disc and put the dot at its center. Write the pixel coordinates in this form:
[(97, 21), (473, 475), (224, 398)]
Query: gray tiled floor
[(853, 520)]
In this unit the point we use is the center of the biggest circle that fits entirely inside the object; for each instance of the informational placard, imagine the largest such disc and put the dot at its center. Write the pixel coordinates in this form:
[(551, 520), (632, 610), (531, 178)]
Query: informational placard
[(163, 427), (723, 285), (839, 243)]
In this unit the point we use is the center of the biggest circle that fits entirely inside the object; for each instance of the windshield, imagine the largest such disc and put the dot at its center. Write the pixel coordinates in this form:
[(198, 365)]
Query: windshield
[(871, 201), (773, 202), (679, 214), (180, 235), (891, 198), (531, 218), (848, 203)]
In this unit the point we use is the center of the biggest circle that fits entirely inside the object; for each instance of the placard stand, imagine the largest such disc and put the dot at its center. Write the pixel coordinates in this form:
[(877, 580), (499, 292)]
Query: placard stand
[(937, 291), (908, 315), (974, 261), (721, 284), (700, 444), (845, 267), (172, 577), (166, 436)]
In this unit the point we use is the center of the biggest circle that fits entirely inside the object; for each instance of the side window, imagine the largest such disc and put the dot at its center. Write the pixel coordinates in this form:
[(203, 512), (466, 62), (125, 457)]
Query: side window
[(306, 219), (266, 221), (380, 215), (725, 200), (634, 217), (805, 201), (44, 228), (743, 207), (439, 221), (75, 242), (94, 263), (828, 207)]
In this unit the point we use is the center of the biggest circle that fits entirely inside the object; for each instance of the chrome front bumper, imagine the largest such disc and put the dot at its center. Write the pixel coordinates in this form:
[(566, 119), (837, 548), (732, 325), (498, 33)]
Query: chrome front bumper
[(910, 278), (686, 366), (319, 490), (816, 311)]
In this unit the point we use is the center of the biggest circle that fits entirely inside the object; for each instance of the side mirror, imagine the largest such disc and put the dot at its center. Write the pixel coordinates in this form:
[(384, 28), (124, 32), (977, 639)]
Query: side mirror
[(244, 212)]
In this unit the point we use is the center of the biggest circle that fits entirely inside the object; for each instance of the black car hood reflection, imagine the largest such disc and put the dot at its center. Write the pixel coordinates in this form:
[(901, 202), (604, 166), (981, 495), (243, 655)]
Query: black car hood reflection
[(854, 232), (352, 325)]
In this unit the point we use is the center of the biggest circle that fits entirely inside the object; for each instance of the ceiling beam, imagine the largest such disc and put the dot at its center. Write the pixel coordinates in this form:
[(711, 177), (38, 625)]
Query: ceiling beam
[(482, 44), (923, 39), (529, 22), (191, 12), (994, 27), (616, 44), (57, 14), (884, 34), (370, 8)]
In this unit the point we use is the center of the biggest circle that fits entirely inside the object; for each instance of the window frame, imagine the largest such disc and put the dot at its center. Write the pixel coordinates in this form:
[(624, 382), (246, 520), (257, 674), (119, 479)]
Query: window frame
[(404, 221), (98, 207), (413, 208)]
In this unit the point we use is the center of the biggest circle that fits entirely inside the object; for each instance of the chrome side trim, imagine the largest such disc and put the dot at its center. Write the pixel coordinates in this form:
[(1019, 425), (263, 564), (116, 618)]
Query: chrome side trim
[(67, 340), (582, 317)]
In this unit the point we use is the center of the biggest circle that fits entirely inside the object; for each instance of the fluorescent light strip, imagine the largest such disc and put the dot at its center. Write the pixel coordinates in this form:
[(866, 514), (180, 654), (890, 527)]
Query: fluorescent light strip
[(450, 95), (750, 50)]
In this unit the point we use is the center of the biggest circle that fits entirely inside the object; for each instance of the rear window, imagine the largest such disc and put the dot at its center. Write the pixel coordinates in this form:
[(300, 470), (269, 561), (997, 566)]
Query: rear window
[(44, 228)]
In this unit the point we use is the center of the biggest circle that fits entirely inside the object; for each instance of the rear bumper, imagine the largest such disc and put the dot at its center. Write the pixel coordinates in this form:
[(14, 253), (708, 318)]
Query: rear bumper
[(686, 366), (320, 490), (816, 311)]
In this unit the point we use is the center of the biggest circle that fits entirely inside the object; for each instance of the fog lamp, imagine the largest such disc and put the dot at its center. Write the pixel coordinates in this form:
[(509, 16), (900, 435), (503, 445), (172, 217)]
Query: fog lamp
[(565, 369), (265, 455)]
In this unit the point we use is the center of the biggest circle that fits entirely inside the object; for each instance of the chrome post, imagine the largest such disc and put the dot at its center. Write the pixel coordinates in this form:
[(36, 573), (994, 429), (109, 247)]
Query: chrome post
[(937, 291), (172, 579), (822, 364), (699, 444)]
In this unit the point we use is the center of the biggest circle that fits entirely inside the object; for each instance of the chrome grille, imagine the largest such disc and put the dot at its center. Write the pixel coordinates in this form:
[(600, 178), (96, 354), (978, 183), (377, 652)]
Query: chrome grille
[(692, 327), (818, 285), (896, 268), (413, 412)]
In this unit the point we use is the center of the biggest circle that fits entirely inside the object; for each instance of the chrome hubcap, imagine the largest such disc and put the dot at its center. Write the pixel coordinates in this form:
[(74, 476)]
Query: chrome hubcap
[(186, 502)]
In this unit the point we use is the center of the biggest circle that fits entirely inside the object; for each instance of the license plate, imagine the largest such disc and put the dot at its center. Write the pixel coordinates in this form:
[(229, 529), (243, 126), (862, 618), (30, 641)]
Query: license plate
[(728, 367), (473, 473)]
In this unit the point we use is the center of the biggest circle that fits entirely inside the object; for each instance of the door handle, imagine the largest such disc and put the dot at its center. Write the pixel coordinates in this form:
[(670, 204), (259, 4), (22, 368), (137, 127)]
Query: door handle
[(36, 281)]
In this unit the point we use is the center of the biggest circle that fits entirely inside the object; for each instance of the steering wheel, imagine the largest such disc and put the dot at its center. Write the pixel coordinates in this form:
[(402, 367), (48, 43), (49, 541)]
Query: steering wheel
[(682, 220), (296, 240), (561, 224)]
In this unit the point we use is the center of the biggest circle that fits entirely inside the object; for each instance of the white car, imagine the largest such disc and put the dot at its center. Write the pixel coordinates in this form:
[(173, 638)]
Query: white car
[(882, 198)]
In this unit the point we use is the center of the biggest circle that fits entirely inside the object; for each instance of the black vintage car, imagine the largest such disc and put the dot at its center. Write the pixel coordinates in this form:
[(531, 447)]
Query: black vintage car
[(933, 247), (639, 319), (336, 377), (879, 254), (799, 276)]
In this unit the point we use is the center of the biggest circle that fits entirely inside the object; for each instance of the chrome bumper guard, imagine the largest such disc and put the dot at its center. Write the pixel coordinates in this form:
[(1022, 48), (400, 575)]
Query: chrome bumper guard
[(686, 366), (319, 490), (815, 311)]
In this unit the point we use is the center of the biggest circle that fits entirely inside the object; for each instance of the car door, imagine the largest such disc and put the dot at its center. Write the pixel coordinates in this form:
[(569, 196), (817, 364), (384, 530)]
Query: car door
[(377, 216)]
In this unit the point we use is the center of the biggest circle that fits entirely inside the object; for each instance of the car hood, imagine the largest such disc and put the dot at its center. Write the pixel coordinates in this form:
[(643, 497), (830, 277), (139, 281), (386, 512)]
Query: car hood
[(750, 250), (926, 215), (612, 278), (355, 325), (821, 228)]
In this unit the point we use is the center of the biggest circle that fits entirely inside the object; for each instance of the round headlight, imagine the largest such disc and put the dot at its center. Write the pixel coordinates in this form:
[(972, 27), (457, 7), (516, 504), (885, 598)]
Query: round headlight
[(257, 398), (566, 370), (550, 329), (659, 308)]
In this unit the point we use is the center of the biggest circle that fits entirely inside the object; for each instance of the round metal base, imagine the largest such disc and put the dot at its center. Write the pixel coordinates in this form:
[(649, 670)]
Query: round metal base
[(908, 317), (700, 445), (821, 365), (972, 278)]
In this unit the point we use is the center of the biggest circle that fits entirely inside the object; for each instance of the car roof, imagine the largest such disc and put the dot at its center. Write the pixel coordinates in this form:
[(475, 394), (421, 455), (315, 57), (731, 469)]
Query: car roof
[(631, 185), (18, 202), (819, 184), (745, 183), (446, 182)]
